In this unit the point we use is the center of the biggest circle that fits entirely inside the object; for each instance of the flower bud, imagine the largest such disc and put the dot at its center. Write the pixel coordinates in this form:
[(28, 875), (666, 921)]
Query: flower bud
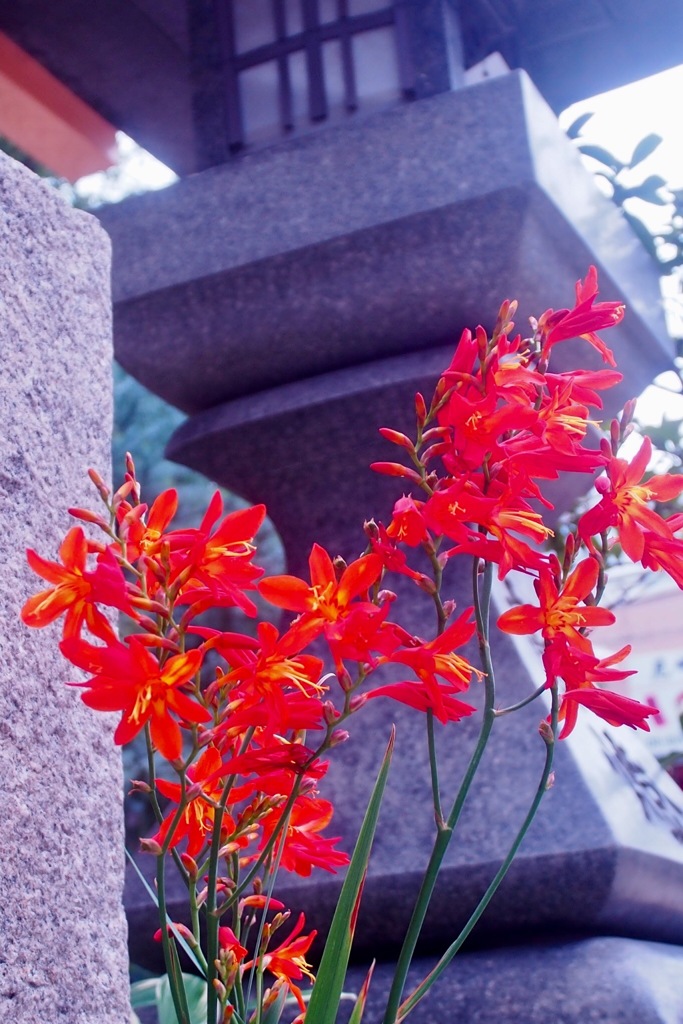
[(190, 865), (330, 713), (424, 583), (339, 565), (86, 516), (344, 679), (395, 469), (370, 529), (551, 781), (220, 989), (150, 846), (99, 484), (615, 435), (396, 437), (139, 786), (546, 732), (357, 702), (420, 408), (338, 737)]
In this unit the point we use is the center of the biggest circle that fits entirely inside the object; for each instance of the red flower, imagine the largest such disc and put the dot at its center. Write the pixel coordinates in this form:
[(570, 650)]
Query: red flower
[(216, 568), (304, 847), (265, 673), (436, 658), (228, 942), (143, 536), (582, 321), (75, 591), (625, 503), (450, 511), (129, 678), (612, 707), (196, 823)]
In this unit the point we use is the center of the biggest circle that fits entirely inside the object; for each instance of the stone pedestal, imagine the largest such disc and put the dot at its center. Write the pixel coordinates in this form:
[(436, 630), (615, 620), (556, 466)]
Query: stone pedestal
[(598, 981), (63, 951), (293, 302)]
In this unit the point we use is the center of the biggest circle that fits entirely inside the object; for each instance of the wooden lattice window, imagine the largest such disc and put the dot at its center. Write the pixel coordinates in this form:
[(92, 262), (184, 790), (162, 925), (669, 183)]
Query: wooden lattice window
[(290, 63)]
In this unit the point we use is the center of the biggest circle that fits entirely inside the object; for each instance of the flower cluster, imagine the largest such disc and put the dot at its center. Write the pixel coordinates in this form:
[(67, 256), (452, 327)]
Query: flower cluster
[(245, 719), (500, 425)]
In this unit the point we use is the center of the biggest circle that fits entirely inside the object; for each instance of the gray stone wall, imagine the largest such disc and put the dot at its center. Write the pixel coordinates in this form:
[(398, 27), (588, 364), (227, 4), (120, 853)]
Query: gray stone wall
[(62, 929)]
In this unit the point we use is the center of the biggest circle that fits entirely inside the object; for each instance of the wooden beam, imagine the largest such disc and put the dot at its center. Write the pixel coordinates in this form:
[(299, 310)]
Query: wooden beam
[(42, 117)]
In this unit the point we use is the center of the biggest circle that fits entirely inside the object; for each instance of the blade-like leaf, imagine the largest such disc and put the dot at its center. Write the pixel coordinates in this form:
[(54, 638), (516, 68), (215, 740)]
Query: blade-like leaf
[(602, 156), (644, 148), (575, 127), (330, 977), (357, 1015), (173, 928)]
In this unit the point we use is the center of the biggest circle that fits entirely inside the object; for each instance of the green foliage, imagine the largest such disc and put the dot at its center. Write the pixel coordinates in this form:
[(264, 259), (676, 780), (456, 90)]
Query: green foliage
[(157, 992), (332, 972), (665, 247)]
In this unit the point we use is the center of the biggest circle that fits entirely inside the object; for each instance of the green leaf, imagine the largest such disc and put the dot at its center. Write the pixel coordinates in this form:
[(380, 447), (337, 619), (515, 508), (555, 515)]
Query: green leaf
[(195, 990), (144, 993), (649, 190), (575, 127), (330, 977), (357, 1015), (602, 156), (644, 148), (642, 232)]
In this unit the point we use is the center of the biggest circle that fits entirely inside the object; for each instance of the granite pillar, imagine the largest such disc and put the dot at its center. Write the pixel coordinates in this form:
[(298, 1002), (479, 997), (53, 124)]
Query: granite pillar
[(63, 950)]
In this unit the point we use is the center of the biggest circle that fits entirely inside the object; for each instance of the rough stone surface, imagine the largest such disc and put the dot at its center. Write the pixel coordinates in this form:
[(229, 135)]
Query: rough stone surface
[(596, 981), (63, 948)]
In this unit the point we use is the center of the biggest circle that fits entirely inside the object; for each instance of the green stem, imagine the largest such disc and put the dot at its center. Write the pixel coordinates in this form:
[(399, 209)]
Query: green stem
[(436, 795), (441, 619), (499, 712), (445, 832), (425, 985), (170, 955)]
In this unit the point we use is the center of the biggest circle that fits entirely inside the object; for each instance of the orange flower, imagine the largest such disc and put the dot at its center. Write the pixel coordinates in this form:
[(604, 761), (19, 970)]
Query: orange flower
[(75, 591), (327, 599), (144, 536), (561, 612), (288, 961)]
